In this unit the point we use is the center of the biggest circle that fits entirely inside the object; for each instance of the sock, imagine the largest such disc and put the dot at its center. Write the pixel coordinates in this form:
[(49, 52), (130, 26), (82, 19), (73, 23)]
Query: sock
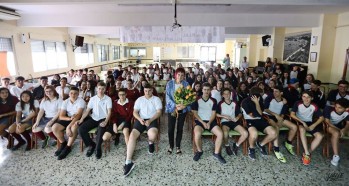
[(18, 138), (276, 149), (259, 144), (289, 142), (335, 156), (27, 137), (41, 135), (128, 162), (227, 145), (150, 143), (52, 135), (237, 145)]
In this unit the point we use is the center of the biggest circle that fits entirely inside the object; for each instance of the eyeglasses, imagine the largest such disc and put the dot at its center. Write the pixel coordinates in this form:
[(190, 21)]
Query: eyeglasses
[(122, 94)]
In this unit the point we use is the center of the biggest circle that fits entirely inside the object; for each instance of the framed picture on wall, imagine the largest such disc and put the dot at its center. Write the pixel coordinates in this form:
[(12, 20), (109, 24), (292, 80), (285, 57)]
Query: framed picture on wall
[(313, 56)]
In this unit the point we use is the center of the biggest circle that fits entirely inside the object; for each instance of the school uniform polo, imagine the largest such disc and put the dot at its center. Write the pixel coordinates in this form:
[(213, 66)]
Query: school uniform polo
[(337, 119), (16, 91), (216, 94), (51, 107), (72, 108), (306, 114), (248, 107), (99, 107), (205, 108), (334, 95), (232, 110), (275, 106), (147, 107), (26, 111)]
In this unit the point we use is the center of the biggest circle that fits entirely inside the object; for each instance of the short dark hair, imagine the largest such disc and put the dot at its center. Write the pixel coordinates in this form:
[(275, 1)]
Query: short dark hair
[(206, 85), (74, 88), (64, 78), (343, 102), (20, 78), (317, 82), (310, 93), (256, 91), (122, 90), (279, 88), (43, 77), (5, 79), (148, 85), (101, 84), (225, 89), (343, 82)]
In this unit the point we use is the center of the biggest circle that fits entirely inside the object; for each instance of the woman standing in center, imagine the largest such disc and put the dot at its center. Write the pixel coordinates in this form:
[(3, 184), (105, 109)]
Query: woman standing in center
[(171, 87)]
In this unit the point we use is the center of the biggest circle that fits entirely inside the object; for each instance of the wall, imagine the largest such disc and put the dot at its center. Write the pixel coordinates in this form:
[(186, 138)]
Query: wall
[(341, 44), (22, 51)]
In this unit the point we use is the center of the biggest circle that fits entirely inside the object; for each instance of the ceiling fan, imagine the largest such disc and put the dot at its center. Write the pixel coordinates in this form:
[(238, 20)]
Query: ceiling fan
[(175, 24)]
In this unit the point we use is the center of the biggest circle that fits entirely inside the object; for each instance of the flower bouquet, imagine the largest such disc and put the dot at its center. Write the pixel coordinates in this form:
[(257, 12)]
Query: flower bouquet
[(185, 96)]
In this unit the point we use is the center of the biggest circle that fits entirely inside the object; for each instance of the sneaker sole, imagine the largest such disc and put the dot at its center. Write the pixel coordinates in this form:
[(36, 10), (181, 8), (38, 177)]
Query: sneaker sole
[(133, 166), (252, 158), (334, 164), (219, 160)]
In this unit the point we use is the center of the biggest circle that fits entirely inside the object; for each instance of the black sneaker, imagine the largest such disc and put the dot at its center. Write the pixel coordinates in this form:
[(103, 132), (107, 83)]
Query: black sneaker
[(19, 145), (128, 168), (235, 149), (219, 157), (197, 156), (45, 142), (151, 148), (262, 149), (228, 150), (117, 140), (98, 154), (91, 150), (63, 145), (252, 154), (64, 153)]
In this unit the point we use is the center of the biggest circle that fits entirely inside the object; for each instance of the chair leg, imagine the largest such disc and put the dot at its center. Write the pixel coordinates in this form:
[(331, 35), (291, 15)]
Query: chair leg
[(81, 146), (298, 139)]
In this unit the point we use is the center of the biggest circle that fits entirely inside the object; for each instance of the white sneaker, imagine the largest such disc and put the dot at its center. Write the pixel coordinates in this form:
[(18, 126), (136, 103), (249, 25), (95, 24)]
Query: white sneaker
[(335, 160)]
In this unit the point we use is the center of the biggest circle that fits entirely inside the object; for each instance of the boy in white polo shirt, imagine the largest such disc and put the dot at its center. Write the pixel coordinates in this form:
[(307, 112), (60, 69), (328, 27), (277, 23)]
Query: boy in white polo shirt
[(204, 110), (147, 110), (71, 111), (19, 87), (63, 90), (101, 106), (304, 111)]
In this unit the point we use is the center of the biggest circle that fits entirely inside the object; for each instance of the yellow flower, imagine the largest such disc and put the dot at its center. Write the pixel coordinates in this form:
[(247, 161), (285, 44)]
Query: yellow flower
[(189, 87), (179, 90), (187, 97)]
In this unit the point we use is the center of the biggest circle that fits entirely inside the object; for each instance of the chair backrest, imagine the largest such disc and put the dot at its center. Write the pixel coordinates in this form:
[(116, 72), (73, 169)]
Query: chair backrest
[(160, 90)]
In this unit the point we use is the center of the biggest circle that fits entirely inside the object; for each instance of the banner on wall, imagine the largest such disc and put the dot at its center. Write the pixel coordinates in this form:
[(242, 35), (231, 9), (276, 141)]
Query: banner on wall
[(165, 34)]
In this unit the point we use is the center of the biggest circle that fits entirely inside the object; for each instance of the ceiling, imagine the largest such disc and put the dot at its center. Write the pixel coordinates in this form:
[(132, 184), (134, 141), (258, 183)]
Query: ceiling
[(105, 16)]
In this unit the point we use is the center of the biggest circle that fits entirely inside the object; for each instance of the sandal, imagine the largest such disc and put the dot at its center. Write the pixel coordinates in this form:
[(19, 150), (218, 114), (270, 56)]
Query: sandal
[(169, 151), (178, 151)]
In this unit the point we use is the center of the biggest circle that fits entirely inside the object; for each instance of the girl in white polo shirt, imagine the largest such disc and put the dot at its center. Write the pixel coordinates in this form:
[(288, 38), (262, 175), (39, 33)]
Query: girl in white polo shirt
[(70, 112), (26, 110), (50, 107)]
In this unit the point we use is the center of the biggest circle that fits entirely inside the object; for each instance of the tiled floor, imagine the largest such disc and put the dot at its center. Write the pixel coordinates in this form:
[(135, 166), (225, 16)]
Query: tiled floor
[(40, 167)]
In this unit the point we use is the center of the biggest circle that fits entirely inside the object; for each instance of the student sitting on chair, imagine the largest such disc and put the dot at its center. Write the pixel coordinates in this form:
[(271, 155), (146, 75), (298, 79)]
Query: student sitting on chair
[(101, 106), (26, 109), (275, 109), (252, 109), (337, 118), (341, 92), (204, 111), (122, 112), (71, 111), (304, 111), (229, 112), (147, 110)]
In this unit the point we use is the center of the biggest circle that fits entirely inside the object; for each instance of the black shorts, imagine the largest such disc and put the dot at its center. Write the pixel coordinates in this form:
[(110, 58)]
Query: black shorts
[(110, 126), (230, 124), (259, 124), (318, 128), (273, 118), (141, 128), (213, 124), (64, 123), (341, 125)]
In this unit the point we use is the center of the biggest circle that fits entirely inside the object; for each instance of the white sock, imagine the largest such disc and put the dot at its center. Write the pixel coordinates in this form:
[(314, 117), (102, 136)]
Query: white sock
[(128, 162)]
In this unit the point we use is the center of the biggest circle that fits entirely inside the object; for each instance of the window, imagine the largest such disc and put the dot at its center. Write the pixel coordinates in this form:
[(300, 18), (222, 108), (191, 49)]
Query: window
[(103, 53), (84, 55), (186, 52), (138, 52), (116, 52), (208, 53), (48, 55), (7, 59)]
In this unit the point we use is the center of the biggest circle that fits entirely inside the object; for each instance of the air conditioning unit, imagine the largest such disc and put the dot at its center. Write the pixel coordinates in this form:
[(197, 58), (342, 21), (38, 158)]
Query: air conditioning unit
[(8, 15)]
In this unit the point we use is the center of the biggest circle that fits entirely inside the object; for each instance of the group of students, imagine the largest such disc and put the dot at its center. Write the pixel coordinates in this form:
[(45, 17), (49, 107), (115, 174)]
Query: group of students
[(63, 114)]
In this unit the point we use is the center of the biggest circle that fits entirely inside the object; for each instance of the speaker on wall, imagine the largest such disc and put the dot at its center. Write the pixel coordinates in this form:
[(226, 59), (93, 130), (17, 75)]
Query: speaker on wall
[(79, 41), (265, 40)]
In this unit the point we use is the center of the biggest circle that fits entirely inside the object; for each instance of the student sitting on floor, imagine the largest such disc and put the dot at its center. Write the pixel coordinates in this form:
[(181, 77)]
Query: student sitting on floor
[(304, 111), (101, 106), (275, 109), (50, 107), (204, 111), (71, 111), (229, 112), (122, 112), (252, 109), (337, 118), (26, 109), (147, 110)]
